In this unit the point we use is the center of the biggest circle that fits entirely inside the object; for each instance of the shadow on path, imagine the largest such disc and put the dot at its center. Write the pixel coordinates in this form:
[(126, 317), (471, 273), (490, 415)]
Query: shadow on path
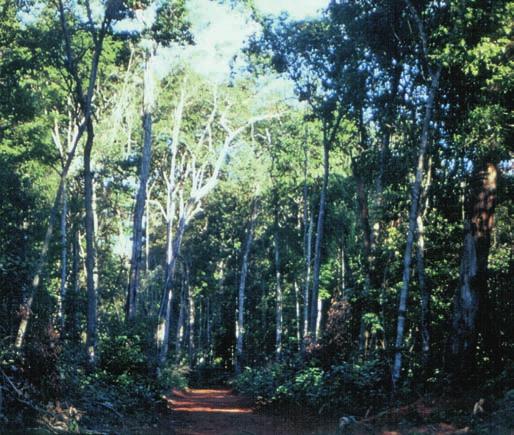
[(220, 412)]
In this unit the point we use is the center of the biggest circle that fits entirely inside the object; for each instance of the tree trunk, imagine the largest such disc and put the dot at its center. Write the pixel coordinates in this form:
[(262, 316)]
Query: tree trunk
[(366, 229), (420, 265), (147, 233), (307, 252), (26, 308), (413, 215), (298, 318), (317, 248), (278, 313), (75, 322), (240, 331), (472, 312), (164, 317), (172, 243), (139, 209), (384, 148), (64, 260), (91, 333), (190, 319), (208, 330), (180, 323)]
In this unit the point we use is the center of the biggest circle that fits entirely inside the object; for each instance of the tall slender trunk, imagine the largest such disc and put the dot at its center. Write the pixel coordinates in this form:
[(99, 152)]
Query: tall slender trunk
[(139, 209), (384, 147), (298, 318), (278, 279), (366, 229), (173, 243), (180, 322), (413, 215), (147, 233), (75, 323), (420, 266), (164, 316), (85, 98), (91, 332), (472, 311), (319, 314), (317, 248), (240, 329), (424, 294), (307, 250), (64, 260), (190, 319), (343, 276), (201, 326), (26, 308), (308, 264), (208, 335)]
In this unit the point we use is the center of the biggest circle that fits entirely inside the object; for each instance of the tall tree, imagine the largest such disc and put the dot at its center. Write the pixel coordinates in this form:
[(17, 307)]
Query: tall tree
[(170, 25), (434, 72), (240, 325)]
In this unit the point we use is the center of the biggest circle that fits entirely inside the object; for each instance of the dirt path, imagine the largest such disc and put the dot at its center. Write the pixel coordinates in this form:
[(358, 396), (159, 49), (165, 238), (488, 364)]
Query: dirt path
[(220, 412)]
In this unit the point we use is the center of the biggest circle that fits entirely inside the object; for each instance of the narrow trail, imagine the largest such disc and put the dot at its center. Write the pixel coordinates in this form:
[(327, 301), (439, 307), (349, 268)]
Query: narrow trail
[(220, 412)]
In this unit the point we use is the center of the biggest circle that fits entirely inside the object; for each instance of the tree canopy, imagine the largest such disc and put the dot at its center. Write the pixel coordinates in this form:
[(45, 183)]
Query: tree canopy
[(329, 227)]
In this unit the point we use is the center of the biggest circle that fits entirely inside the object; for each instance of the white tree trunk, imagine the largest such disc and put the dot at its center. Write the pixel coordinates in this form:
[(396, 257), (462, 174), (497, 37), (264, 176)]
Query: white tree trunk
[(64, 260), (139, 208), (180, 323), (240, 330), (91, 330), (413, 215), (278, 308), (314, 321)]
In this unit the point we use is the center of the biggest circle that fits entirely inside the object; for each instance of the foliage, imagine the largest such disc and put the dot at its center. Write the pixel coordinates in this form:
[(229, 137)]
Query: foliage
[(358, 72), (350, 387)]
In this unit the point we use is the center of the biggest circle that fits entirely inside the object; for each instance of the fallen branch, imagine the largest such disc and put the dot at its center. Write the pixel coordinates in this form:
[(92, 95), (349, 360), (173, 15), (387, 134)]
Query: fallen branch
[(109, 406), (18, 396)]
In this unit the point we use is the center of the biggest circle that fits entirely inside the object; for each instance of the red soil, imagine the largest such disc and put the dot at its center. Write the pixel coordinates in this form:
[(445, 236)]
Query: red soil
[(220, 412)]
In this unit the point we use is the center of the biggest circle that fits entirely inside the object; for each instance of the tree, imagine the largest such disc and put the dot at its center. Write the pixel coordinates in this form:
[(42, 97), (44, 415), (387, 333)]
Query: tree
[(155, 35), (240, 325)]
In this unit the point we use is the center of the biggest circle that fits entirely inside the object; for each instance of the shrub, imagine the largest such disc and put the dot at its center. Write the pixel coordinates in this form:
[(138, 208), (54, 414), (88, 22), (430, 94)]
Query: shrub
[(261, 383), (172, 376), (123, 355), (346, 386)]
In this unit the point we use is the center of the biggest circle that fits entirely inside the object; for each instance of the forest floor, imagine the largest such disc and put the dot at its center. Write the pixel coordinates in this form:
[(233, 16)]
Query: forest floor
[(221, 412)]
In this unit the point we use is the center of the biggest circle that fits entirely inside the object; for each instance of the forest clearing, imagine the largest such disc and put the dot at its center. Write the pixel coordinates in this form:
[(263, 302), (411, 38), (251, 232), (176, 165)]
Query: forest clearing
[(256, 217)]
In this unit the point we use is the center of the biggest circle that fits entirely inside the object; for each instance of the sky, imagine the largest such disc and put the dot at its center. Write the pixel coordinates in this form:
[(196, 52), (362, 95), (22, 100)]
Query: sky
[(220, 32), (297, 9)]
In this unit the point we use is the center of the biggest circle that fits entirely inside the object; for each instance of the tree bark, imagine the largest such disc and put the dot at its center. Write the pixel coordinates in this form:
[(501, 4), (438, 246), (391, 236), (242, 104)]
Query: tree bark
[(75, 323), (208, 334), (180, 322), (278, 279), (164, 316), (366, 229), (317, 248), (413, 215), (388, 126), (240, 330), (472, 312), (298, 318), (139, 209), (307, 252), (64, 261), (91, 333), (420, 266), (85, 99), (26, 308), (191, 319)]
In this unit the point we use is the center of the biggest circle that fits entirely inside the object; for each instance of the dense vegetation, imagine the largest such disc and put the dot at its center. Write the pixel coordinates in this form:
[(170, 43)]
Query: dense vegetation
[(341, 251)]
